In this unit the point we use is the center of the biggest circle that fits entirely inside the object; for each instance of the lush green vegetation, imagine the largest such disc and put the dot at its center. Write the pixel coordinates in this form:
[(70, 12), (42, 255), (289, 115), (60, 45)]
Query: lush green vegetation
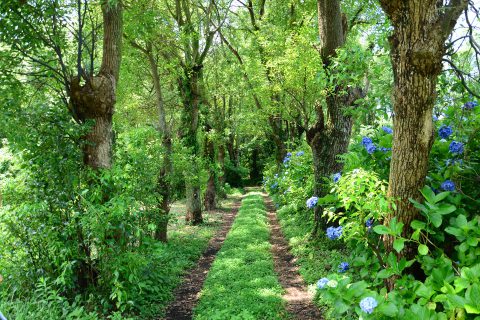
[(242, 274), (361, 116), (153, 271)]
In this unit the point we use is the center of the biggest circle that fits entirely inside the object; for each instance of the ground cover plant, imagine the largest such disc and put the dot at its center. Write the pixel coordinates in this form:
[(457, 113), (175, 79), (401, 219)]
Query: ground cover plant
[(243, 273)]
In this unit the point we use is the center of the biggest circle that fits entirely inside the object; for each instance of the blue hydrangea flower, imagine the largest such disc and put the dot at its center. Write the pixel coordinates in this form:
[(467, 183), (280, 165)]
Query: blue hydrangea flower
[(469, 105), (300, 153), (435, 118), (336, 177), (334, 233), (445, 131), (387, 130), (322, 283), (383, 149), (289, 154), (366, 141), (312, 202), (371, 148), (343, 267), (285, 160), (369, 223), (456, 147), (448, 185), (274, 186), (368, 304)]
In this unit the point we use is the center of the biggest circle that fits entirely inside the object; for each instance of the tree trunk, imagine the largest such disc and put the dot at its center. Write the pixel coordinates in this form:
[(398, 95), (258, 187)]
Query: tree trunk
[(328, 138), (95, 100), (221, 177), (210, 193), (191, 96), (421, 28), (163, 183)]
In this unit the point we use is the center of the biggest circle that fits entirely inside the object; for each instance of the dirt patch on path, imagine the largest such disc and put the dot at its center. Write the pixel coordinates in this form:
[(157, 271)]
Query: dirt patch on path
[(299, 300), (186, 295)]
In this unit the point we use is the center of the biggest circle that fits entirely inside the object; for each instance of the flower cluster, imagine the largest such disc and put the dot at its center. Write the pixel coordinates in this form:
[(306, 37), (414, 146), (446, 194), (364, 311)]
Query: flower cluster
[(322, 283), (469, 105), (336, 177), (368, 144), (334, 233), (456, 147), (445, 131), (343, 267), (300, 153), (312, 202), (387, 130), (448, 185), (368, 304)]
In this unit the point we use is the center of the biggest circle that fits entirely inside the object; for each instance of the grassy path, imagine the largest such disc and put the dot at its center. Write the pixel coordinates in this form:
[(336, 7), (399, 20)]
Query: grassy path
[(242, 283), (297, 296)]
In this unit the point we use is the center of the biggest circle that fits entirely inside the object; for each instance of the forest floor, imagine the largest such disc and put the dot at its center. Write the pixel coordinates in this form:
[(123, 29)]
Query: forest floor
[(294, 298)]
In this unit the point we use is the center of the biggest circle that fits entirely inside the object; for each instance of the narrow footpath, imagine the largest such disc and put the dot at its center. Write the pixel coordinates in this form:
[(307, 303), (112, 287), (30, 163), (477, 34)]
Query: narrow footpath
[(293, 301), (186, 295), (299, 300)]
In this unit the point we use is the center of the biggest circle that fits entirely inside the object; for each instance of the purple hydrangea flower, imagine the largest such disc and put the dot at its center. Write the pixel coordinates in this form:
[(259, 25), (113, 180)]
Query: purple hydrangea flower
[(445, 131), (300, 153), (343, 267), (448, 185), (312, 202), (387, 130), (334, 233), (456, 147), (370, 148), (368, 304), (322, 283), (366, 141), (469, 105), (336, 177)]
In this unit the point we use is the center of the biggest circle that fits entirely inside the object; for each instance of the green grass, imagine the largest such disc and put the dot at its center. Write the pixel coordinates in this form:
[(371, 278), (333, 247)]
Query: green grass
[(315, 257), (242, 283)]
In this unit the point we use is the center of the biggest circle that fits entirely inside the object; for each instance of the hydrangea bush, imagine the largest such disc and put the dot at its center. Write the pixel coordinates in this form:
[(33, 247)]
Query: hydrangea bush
[(441, 280)]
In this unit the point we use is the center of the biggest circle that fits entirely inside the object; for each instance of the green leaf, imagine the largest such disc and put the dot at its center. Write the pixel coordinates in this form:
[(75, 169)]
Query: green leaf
[(428, 194), (399, 244), (389, 309), (417, 225), (423, 249), (435, 218), (446, 209), (381, 229), (442, 195), (472, 309)]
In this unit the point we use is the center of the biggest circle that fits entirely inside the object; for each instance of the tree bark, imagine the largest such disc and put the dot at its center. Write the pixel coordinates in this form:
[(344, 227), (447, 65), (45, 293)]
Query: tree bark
[(211, 192), (330, 134), (95, 99), (191, 97), (421, 28)]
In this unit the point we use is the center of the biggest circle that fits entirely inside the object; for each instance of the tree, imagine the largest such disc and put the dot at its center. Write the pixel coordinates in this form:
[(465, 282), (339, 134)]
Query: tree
[(330, 134), (417, 44), (38, 32)]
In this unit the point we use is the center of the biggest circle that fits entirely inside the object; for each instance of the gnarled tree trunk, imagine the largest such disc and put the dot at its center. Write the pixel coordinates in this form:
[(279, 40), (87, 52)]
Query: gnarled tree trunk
[(95, 99)]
